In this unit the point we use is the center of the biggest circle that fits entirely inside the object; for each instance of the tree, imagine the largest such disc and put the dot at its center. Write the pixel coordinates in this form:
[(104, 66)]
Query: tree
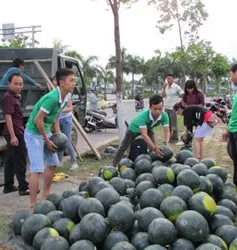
[(115, 5), (58, 43), (187, 15), (20, 41)]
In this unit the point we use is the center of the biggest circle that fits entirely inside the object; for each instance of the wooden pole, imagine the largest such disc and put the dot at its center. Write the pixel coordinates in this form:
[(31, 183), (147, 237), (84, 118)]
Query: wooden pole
[(75, 121)]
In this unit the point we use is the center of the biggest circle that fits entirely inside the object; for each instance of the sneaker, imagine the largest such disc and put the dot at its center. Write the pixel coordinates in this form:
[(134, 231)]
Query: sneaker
[(74, 166), (180, 143), (10, 190), (24, 192)]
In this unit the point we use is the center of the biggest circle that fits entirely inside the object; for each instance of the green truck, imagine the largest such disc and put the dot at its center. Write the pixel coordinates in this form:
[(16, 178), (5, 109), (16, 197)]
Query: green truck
[(50, 60)]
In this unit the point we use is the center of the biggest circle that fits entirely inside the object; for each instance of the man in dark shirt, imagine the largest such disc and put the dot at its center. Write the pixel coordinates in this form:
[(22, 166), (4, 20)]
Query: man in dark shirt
[(14, 134)]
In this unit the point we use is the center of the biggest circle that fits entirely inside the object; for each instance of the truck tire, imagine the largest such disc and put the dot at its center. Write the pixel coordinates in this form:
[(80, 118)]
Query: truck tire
[(74, 135)]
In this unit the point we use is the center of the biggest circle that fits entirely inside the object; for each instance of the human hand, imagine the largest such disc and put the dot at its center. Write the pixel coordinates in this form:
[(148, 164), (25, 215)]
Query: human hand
[(38, 85), (51, 146), (14, 141), (158, 151), (225, 136)]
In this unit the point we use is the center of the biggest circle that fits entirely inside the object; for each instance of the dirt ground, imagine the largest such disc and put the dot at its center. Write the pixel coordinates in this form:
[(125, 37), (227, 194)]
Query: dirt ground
[(11, 203)]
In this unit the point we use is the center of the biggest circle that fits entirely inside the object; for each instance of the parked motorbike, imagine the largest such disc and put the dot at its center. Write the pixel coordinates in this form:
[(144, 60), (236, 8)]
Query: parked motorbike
[(97, 120), (139, 105), (220, 108)]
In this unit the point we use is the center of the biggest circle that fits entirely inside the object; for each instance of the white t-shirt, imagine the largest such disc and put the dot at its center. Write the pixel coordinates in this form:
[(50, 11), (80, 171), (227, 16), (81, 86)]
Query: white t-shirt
[(172, 95)]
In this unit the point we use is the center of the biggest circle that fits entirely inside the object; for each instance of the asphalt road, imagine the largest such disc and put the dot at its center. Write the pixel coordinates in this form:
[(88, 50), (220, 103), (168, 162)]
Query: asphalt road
[(106, 136)]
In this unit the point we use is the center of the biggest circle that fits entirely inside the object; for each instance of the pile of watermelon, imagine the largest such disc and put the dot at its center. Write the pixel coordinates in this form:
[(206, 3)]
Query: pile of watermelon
[(153, 203)]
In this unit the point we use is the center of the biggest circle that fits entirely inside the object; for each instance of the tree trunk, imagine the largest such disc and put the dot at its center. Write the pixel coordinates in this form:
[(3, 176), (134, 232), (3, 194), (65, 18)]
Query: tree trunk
[(105, 90), (132, 84), (119, 82)]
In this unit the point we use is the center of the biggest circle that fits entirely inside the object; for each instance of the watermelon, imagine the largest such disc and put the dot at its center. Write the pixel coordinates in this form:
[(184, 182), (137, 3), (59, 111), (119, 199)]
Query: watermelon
[(93, 227), (205, 185), (75, 234), (183, 155), (84, 194), (162, 231), (208, 246), (219, 220), (202, 203), (60, 140), (140, 240), (70, 207), (55, 215), (214, 239), (167, 154), (43, 234), (144, 177), (142, 157), (201, 169), (55, 199), (84, 186), (219, 171), (208, 162), (92, 182), (157, 164), (189, 178), (227, 233), (69, 192), (143, 186), (82, 245), (108, 197), (192, 226), (99, 186), (135, 229), (166, 189), (143, 166), (58, 243), (121, 217), (171, 207), (184, 192), (109, 172), (131, 193), (128, 173), (64, 227), (229, 204), (224, 211), (146, 216), (32, 225), (182, 244), (151, 198), (130, 183), (91, 205), (113, 238), (163, 175), (155, 247), (123, 245), (17, 221), (191, 161), (125, 163), (233, 245), (119, 185), (44, 207)]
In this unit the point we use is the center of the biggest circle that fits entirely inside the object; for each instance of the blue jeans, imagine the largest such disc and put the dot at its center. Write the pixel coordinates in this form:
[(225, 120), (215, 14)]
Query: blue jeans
[(66, 128)]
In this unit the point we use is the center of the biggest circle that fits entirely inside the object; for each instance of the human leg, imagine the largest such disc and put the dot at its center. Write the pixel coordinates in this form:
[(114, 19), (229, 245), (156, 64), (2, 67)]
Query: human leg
[(35, 149), (233, 147), (196, 148), (129, 137), (173, 124)]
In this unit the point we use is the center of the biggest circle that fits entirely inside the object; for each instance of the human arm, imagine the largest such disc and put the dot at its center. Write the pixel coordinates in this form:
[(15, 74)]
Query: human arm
[(39, 122), (9, 123), (163, 93), (184, 100), (201, 98), (149, 142), (166, 135), (29, 80)]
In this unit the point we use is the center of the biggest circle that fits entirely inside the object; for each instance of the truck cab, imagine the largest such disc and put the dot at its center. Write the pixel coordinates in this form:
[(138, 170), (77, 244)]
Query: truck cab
[(50, 60)]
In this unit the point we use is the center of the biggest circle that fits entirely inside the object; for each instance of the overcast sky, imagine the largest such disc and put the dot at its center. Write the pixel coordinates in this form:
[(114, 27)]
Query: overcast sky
[(87, 26)]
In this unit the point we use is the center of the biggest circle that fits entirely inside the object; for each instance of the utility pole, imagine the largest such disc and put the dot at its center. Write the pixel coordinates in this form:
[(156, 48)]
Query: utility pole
[(20, 30)]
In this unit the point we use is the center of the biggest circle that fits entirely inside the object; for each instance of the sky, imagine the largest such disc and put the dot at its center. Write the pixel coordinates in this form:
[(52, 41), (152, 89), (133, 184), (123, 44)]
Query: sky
[(87, 26)]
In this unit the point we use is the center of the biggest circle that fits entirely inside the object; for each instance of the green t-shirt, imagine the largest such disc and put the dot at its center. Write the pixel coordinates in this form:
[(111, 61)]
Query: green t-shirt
[(232, 126), (52, 105), (145, 120)]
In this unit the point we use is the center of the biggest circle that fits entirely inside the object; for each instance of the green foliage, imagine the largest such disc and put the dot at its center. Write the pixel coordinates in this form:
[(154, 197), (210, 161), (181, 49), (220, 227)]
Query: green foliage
[(20, 41), (187, 15)]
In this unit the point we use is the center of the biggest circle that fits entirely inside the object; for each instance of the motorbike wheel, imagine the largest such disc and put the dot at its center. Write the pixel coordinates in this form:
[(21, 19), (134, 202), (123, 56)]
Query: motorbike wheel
[(74, 136), (88, 130)]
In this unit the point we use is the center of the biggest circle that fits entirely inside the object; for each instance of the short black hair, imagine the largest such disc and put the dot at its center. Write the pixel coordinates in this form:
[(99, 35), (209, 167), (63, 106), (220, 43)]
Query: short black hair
[(12, 75), (17, 62), (155, 99), (233, 68), (62, 73), (170, 75)]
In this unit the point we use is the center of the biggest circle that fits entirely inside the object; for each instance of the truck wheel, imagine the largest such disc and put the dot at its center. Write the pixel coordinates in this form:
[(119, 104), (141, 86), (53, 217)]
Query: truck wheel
[(74, 136)]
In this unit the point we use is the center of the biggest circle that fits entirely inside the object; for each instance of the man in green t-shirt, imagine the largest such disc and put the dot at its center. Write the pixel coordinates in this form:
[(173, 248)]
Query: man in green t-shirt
[(231, 132), (143, 124), (37, 133)]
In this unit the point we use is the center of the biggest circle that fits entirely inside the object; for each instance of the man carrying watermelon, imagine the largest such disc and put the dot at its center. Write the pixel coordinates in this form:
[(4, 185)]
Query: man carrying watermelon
[(203, 119), (143, 124), (43, 117), (230, 134)]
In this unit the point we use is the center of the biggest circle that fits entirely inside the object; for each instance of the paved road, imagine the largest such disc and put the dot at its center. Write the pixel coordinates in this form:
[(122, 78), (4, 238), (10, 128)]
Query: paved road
[(100, 138)]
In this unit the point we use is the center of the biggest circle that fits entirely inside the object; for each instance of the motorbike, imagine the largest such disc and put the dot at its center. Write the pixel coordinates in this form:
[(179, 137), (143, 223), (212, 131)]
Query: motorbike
[(139, 105), (97, 120), (220, 108)]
